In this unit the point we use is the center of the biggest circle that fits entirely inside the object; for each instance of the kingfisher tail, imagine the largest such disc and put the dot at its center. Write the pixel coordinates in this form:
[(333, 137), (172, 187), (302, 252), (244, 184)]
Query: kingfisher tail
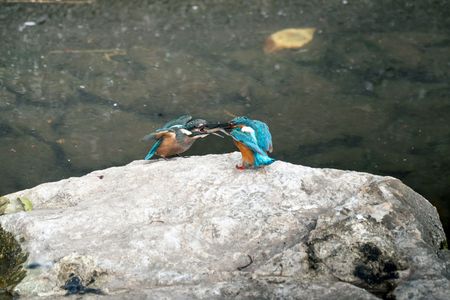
[(262, 160), (153, 149)]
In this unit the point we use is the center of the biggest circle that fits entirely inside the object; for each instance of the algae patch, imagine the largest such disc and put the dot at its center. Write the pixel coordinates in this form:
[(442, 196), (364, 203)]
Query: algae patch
[(11, 262), (8, 206), (3, 204), (26, 203)]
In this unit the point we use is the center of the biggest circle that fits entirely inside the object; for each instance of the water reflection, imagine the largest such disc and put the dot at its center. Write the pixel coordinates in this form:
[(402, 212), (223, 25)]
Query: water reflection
[(80, 84)]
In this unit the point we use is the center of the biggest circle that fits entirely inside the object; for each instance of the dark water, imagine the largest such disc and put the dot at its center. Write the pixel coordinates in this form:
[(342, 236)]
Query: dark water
[(371, 92)]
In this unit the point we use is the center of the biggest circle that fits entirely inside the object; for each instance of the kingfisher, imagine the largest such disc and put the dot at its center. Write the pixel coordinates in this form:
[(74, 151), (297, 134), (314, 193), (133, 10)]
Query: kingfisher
[(251, 137), (176, 136)]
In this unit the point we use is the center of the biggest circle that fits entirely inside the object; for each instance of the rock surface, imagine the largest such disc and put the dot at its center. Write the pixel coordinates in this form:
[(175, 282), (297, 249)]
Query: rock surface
[(198, 228)]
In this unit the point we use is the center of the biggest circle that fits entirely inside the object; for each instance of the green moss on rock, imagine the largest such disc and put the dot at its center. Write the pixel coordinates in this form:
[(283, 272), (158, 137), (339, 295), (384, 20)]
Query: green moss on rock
[(3, 204), (11, 262), (26, 203)]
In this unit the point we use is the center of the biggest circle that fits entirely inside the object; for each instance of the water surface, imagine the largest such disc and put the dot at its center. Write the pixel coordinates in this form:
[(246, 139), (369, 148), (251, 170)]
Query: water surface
[(80, 84)]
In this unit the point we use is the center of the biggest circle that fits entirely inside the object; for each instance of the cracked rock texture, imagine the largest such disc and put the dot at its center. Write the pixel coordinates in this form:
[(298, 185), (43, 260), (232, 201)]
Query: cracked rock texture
[(198, 228)]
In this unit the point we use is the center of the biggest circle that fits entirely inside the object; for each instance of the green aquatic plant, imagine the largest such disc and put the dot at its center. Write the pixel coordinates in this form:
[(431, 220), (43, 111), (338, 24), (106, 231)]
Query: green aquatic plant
[(11, 262)]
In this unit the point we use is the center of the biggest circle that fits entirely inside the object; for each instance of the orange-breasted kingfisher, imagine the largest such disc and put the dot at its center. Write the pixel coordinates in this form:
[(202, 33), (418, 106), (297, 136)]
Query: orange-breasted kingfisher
[(176, 136), (251, 137)]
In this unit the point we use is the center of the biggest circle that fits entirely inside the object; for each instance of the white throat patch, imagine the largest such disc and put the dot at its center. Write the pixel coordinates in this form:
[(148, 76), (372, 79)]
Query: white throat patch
[(185, 131), (247, 129)]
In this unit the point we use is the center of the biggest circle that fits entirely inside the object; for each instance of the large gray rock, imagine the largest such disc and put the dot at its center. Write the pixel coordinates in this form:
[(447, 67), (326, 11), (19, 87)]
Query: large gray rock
[(198, 228)]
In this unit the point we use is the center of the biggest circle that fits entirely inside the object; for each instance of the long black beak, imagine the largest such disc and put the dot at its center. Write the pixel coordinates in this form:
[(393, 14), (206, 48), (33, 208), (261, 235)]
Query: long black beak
[(219, 125)]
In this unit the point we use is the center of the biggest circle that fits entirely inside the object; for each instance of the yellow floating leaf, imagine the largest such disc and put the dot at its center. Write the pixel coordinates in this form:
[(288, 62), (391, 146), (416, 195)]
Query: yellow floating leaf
[(290, 38)]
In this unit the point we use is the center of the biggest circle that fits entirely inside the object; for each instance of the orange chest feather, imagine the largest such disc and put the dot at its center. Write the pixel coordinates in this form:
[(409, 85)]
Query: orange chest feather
[(169, 146), (247, 154)]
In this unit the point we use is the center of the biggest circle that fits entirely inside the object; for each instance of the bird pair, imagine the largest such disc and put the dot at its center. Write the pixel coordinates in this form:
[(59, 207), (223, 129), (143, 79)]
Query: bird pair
[(251, 137)]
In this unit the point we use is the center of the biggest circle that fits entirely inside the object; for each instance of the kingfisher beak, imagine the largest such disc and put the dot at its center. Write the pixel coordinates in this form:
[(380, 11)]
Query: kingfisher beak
[(199, 134), (218, 127)]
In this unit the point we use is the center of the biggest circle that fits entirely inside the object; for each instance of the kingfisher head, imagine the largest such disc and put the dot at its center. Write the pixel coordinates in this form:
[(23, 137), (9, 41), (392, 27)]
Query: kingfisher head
[(194, 129), (196, 125), (240, 121)]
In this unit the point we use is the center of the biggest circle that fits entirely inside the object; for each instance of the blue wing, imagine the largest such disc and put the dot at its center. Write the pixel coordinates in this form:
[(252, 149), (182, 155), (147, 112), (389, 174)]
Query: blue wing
[(263, 135), (247, 139), (178, 122), (181, 121), (153, 149)]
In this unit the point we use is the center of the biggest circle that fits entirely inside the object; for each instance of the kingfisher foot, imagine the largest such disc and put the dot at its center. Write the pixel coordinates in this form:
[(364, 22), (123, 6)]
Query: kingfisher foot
[(240, 167)]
